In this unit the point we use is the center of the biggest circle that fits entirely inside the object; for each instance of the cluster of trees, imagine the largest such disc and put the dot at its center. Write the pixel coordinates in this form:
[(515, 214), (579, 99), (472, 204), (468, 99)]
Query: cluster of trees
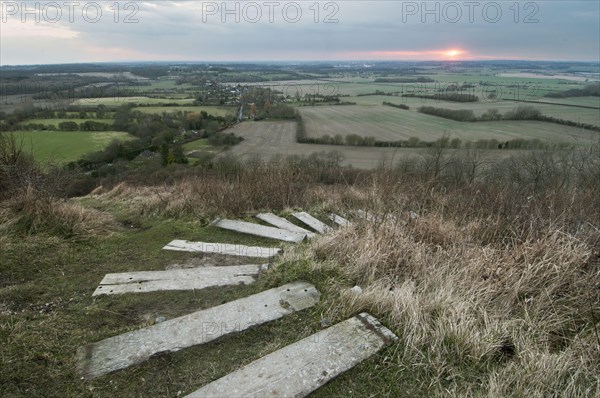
[(224, 139), (10, 122), (404, 80), (338, 139), (160, 134), (461, 115), (399, 106), (521, 112), (452, 143), (592, 90), (379, 92), (88, 125), (451, 96)]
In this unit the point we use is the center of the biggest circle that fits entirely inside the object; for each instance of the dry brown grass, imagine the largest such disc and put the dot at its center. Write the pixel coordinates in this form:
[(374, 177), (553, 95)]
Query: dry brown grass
[(204, 197), (30, 212), (526, 313)]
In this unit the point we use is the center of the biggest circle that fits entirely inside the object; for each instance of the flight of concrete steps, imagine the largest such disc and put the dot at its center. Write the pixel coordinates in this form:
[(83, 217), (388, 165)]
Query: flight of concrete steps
[(293, 371)]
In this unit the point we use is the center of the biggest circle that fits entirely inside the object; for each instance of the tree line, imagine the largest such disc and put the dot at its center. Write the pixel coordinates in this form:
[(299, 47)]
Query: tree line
[(521, 112)]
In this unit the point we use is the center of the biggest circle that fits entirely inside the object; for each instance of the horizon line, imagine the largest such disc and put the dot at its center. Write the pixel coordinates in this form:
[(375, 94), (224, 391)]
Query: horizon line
[(300, 61)]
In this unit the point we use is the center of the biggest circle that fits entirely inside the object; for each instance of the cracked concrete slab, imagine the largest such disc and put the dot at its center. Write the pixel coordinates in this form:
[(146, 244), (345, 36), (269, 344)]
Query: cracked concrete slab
[(200, 327), (222, 248), (339, 220), (259, 230), (282, 223), (178, 279), (312, 222), (300, 368)]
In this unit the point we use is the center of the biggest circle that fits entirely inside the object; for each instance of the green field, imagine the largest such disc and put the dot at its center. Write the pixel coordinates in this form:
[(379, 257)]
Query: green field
[(211, 110), (583, 115), (391, 124), (130, 100), (66, 146), (197, 145), (581, 101), (482, 80), (508, 90)]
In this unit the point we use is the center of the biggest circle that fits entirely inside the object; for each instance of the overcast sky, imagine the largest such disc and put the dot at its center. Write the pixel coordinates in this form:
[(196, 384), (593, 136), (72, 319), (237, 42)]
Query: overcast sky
[(46, 32)]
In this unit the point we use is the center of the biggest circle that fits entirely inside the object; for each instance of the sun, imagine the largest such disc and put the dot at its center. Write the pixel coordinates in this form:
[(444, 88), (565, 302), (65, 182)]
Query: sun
[(453, 53)]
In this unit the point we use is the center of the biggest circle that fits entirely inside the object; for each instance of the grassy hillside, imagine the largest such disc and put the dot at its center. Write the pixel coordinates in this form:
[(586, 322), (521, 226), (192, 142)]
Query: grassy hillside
[(489, 276)]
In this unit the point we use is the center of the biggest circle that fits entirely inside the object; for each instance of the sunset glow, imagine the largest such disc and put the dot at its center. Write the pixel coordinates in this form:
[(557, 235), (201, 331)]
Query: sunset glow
[(351, 30), (449, 54), (453, 53)]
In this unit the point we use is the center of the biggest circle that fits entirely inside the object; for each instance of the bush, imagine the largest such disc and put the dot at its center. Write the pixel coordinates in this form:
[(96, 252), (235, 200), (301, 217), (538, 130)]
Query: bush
[(399, 106), (523, 112), (224, 139), (461, 115), (68, 126), (17, 168), (31, 211)]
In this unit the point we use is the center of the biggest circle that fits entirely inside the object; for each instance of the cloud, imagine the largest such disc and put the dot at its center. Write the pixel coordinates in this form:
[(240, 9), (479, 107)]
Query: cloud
[(194, 30)]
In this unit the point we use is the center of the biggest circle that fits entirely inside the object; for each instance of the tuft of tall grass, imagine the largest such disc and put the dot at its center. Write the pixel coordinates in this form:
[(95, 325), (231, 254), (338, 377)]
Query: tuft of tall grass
[(526, 313), (30, 212)]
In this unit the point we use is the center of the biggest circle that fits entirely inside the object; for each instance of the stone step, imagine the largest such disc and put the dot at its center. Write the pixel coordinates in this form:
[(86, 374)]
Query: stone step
[(282, 223), (259, 230), (312, 222), (222, 248), (200, 327), (178, 279), (339, 220), (300, 368)]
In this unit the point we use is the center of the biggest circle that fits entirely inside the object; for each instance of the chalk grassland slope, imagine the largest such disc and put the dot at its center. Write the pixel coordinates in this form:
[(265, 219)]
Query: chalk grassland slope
[(66, 146), (390, 124), (491, 286)]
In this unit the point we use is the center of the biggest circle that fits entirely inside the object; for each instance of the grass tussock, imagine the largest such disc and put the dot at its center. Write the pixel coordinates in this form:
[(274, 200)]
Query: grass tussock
[(207, 196), (524, 314), (30, 212)]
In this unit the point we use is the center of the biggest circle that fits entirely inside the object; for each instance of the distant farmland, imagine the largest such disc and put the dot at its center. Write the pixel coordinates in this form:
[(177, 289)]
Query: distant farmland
[(66, 146), (266, 139), (117, 101), (391, 124), (211, 110), (566, 111), (54, 123)]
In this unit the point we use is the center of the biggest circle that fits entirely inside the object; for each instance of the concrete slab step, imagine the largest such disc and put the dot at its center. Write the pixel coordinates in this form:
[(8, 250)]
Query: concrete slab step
[(259, 230), (302, 367), (178, 279), (339, 220), (282, 223), (200, 327), (312, 222), (222, 248)]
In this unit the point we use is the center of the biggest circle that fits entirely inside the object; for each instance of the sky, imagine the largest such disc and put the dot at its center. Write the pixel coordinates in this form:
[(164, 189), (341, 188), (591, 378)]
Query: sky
[(63, 31)]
